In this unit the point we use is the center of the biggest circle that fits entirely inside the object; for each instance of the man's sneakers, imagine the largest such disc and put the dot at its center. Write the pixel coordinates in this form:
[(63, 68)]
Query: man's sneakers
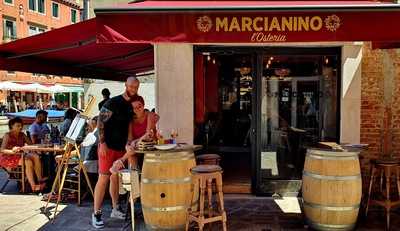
[(97, 222), (117, 213)]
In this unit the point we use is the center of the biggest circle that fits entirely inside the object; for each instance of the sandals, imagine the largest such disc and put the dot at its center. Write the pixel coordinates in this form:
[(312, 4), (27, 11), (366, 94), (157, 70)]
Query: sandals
[(38, 187)]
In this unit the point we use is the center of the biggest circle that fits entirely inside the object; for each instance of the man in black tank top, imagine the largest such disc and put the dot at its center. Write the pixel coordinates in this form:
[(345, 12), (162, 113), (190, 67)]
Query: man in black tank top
[(113, 126)]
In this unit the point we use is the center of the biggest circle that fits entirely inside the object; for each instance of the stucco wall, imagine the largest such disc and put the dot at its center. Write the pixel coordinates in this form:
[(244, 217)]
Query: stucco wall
[(174, 89)]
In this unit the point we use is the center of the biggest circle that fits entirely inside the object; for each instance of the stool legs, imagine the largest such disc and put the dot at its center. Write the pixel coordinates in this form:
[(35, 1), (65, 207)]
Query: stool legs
[(398, 180), (205, 185), (202, 199), (371, 181), (221, 201), (387, 202), (209, 193)]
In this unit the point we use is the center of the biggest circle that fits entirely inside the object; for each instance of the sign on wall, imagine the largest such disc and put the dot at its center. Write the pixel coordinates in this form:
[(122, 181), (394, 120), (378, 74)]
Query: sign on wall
[(250, 27)]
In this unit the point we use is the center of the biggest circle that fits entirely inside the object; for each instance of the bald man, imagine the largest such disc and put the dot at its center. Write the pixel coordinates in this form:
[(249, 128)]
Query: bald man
[(113, 124)]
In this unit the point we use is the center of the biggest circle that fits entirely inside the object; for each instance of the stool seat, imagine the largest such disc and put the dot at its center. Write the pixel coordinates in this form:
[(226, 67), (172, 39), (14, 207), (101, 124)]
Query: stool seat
[(208, 157), (389, 161), (206, 169), (212, 159)]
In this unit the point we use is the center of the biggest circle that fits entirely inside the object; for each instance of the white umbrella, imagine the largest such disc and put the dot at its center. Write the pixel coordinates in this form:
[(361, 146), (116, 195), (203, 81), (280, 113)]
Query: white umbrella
[(35, 87), (58, 88), (10, 86)]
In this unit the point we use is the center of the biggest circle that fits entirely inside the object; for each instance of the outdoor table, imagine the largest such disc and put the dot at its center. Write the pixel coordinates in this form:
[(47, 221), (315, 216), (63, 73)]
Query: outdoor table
[(43, 148), (165, 186)]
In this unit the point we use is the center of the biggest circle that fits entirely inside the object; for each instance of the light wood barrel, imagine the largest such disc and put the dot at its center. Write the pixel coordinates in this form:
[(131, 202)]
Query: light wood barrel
[(165, 189), (331, 189)]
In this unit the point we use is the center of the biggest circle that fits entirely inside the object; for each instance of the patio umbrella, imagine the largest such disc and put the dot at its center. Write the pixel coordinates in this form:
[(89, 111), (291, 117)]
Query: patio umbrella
[(10, 86), (35, 87), (58, 88)]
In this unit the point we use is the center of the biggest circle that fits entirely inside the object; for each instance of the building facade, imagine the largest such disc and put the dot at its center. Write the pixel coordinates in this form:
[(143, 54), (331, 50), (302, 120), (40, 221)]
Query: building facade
[(24, 18)]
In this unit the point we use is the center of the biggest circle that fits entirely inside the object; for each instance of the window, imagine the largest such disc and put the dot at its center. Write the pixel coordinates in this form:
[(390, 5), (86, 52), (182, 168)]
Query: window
[(37, 6), (10, 2), (10, 72), (32, 5), (73, 16), (41, 8), (10, 29), (55, 10), (33, 30)]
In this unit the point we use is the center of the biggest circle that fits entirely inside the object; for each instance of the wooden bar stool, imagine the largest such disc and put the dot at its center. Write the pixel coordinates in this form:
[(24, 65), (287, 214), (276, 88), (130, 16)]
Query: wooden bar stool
[(211, 159), (204, 176), (385, 168)]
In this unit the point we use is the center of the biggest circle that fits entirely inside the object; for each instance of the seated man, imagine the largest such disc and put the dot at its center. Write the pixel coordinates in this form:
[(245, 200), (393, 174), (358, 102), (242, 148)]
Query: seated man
[(88, 148), (39, 129)]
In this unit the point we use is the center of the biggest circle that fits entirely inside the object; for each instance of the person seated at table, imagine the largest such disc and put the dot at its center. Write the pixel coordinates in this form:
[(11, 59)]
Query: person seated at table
[(142, 127), (88, 148), (69, 116), (39, 129), (10, 154)]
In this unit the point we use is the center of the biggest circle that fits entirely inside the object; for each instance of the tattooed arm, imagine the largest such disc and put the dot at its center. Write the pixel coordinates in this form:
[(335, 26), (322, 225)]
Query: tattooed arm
[(105, 115)]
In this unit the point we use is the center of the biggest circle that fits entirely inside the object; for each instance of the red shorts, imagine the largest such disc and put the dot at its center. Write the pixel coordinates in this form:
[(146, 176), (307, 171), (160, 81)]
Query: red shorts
[(106, 162)]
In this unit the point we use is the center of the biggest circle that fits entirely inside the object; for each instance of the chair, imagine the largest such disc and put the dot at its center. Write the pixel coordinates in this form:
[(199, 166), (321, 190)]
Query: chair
[(17, 174), (72, 182)]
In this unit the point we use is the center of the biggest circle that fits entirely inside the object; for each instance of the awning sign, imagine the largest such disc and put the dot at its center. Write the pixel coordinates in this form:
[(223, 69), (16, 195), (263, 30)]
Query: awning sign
[(268, 29), (249, 27)]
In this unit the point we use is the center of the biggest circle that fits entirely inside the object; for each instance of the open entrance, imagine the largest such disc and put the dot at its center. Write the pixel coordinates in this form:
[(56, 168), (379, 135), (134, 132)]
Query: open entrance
[(259, 108)]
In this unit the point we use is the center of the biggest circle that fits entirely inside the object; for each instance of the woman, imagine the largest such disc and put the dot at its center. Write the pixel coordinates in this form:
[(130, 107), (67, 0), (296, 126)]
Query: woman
[(142, 127), (68, 118), (10, 156)]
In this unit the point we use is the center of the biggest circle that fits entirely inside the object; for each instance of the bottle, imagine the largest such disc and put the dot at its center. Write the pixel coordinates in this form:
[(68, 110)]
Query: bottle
[(160, 138)]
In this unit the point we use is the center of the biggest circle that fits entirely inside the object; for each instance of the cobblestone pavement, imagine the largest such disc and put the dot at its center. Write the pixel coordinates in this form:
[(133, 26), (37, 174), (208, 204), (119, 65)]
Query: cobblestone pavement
[(22, 212)]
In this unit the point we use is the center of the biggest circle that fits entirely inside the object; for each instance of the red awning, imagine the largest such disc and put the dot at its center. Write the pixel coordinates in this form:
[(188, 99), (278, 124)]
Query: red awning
[(118, 42), (249, 21), (73, 51)]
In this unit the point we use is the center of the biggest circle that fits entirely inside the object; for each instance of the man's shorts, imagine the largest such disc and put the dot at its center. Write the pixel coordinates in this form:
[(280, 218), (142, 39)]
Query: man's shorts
[(106, 162)]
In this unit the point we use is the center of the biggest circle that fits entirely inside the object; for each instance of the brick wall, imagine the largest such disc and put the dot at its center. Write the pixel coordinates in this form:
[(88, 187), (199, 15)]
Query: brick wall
[(380, 103)]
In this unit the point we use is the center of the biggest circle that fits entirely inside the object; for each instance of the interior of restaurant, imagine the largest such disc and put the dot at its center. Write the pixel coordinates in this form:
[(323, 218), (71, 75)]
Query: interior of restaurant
[(259, 108)]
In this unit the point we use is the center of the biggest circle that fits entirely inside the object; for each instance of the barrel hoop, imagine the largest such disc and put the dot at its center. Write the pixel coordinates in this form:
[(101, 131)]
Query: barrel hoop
[(320, 226), (167, 181), (332, 154), (321, 157), (324, 177), (168, 160), (332, 208), (165, 209), (158, 155), (168, 209), (156, 227)]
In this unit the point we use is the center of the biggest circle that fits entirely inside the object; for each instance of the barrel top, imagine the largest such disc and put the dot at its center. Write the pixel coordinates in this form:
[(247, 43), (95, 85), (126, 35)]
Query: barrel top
[(179, 148), (332, 153)]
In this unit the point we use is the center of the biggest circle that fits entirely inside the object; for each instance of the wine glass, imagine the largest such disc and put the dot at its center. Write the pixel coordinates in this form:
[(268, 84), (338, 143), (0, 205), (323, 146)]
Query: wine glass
[(174, 134)]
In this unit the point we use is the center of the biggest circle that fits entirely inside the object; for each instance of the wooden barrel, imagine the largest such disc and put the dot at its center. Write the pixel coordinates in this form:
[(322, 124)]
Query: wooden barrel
[(331, 189), (165, 189)]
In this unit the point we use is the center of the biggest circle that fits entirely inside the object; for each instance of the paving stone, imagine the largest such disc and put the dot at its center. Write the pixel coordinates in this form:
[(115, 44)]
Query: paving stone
[(245, 213)]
